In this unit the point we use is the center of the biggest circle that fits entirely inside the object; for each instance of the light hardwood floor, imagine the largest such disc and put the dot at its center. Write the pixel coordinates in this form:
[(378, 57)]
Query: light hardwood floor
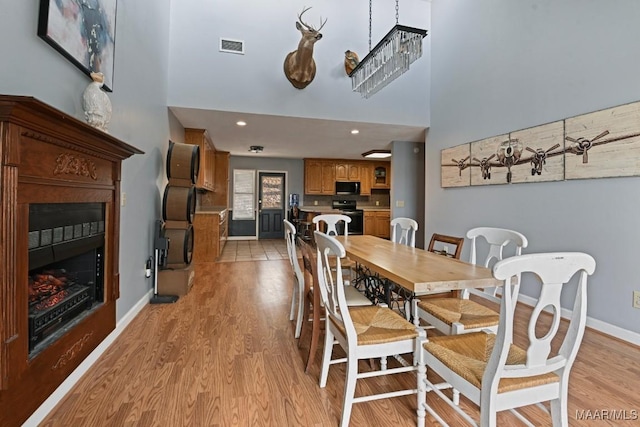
[(224, 355)]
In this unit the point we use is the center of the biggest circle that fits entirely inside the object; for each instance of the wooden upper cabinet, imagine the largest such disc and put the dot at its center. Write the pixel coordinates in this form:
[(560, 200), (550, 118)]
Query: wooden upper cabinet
[(381, 175), (221, 181), (366, 175), (312, 177), (319, 177), (200, 137), (342, 172), (328, 179), (347, 171)]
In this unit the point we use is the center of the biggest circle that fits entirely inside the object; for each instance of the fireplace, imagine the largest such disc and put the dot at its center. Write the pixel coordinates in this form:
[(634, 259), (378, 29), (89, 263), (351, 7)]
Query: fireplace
[(59, 228), (66, 249)]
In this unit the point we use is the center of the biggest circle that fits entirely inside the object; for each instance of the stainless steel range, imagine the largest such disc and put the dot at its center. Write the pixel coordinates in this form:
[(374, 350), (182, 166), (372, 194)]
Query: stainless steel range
[(348, 207)]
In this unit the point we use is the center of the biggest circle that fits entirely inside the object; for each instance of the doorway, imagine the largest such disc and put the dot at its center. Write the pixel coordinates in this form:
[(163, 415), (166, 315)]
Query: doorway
[(271, 207)]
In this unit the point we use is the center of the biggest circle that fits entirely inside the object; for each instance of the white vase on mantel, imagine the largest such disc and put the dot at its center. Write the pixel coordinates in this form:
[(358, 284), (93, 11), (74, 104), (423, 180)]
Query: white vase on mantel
[(96, 103)]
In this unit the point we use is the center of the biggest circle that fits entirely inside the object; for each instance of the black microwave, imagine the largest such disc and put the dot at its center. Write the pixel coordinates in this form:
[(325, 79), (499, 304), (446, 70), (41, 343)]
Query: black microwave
[(345, 188)]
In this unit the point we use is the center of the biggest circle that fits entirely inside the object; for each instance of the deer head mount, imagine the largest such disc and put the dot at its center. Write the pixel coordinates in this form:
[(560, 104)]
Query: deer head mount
[(299, 66)]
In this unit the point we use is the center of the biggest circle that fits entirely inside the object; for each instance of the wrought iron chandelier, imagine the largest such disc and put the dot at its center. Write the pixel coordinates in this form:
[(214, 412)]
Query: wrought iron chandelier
[(389, 59)]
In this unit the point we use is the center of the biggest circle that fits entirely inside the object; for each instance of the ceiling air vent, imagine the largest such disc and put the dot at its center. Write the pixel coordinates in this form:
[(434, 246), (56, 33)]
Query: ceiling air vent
[(232, 46)]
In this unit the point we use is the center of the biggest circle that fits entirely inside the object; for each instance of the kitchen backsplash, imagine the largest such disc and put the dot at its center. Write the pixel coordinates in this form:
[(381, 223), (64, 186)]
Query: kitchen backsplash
[(383, 198)]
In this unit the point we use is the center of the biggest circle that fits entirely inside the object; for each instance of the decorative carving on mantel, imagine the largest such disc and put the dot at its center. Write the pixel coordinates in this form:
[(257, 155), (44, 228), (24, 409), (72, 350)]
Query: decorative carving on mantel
[(59, 143), (75, 165), (72, 352)]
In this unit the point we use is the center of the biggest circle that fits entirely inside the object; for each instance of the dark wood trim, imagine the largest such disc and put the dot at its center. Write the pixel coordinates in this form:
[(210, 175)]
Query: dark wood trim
[(49, 157)]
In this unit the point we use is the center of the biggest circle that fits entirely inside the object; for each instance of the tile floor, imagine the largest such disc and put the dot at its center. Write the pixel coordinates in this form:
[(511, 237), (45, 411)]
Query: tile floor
[(254, 250)]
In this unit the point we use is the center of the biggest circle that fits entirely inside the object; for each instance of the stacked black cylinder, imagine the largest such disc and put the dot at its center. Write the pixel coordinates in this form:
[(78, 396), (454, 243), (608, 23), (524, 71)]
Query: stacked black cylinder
[(179, 203)]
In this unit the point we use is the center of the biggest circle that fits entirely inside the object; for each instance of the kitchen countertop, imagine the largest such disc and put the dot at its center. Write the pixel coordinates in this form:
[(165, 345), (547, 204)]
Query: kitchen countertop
[(211, 209)]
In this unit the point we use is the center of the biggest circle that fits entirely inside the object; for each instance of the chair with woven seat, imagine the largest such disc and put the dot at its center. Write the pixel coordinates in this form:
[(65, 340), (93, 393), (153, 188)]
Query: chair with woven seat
[(453, 316), (495, 373), (362, 332), (403, 231), (313, 308), (297, 293)]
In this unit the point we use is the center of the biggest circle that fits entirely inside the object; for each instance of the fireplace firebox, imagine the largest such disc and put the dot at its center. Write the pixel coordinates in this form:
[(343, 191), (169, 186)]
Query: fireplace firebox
[(66, 248), (59, 228)]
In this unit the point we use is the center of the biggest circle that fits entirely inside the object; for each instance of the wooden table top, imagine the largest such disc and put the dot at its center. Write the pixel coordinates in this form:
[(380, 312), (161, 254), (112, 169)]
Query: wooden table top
[(415, 269)]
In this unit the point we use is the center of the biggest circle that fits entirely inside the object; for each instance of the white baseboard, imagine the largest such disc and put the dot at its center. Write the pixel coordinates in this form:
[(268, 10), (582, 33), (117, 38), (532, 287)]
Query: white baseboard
[(242, 238), (600, 326), (48, 405)]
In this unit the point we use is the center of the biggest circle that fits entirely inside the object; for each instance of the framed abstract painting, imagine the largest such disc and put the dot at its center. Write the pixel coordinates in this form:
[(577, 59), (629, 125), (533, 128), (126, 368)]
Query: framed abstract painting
[(83, 31)]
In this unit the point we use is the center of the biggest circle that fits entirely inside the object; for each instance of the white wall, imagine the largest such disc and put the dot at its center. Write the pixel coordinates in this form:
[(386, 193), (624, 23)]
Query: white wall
[(202, 77), (500, 66), (29, 66)]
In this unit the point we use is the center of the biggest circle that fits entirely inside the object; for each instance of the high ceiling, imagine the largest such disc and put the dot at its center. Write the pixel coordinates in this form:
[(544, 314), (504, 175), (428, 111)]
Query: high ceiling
[(294, 137)]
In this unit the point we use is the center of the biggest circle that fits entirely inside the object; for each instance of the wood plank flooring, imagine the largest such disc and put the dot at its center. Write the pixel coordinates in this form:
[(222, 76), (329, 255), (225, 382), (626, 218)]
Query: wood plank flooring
[(224, 355)]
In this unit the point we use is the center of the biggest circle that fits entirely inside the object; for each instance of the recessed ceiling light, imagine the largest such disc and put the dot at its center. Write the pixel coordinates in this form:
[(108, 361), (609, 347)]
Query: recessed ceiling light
[(241, 123), (355, 131), (377, 154), (256, 149)]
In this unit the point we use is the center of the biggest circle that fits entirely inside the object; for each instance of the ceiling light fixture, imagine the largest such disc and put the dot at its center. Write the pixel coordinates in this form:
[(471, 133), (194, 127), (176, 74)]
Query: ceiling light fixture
[(389, 59), (256, 149), (241, 123), (355, 132), (377, 154)]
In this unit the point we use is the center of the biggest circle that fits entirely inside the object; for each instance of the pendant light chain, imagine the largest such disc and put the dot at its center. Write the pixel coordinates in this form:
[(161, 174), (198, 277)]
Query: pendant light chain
[(397, 13), (370, 25)]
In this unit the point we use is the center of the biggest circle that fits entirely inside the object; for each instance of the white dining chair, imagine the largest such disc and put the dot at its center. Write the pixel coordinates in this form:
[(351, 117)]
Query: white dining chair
[(495, 373), (362, 332), (330, 224), (453, 316), (297, 293), (403, 231)]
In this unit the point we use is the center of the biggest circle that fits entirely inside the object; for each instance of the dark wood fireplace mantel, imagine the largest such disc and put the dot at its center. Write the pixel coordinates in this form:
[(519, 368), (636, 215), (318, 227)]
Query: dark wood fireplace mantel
[(47, 156)]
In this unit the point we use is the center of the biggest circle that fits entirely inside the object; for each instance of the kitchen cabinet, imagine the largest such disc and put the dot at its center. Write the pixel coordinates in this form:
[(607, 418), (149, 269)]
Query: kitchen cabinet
[(206, 175), (366, 175), (347, 171), (219, 197), (377, 223), (210, 230), (319, 177), (381, 175)]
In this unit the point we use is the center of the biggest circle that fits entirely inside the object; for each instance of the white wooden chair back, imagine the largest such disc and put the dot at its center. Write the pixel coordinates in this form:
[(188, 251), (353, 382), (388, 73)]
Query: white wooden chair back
[(297, 294), (497, 239), (553, 271), (332, 220), (331, 283), (404, 231), (290, 237)]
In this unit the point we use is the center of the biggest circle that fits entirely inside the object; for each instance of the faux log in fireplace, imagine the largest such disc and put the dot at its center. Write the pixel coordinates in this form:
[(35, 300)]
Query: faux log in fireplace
[(59, 228)]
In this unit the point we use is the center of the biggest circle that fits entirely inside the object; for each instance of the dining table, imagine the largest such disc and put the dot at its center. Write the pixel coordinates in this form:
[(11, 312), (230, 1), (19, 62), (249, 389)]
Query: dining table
[(395, 273)]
